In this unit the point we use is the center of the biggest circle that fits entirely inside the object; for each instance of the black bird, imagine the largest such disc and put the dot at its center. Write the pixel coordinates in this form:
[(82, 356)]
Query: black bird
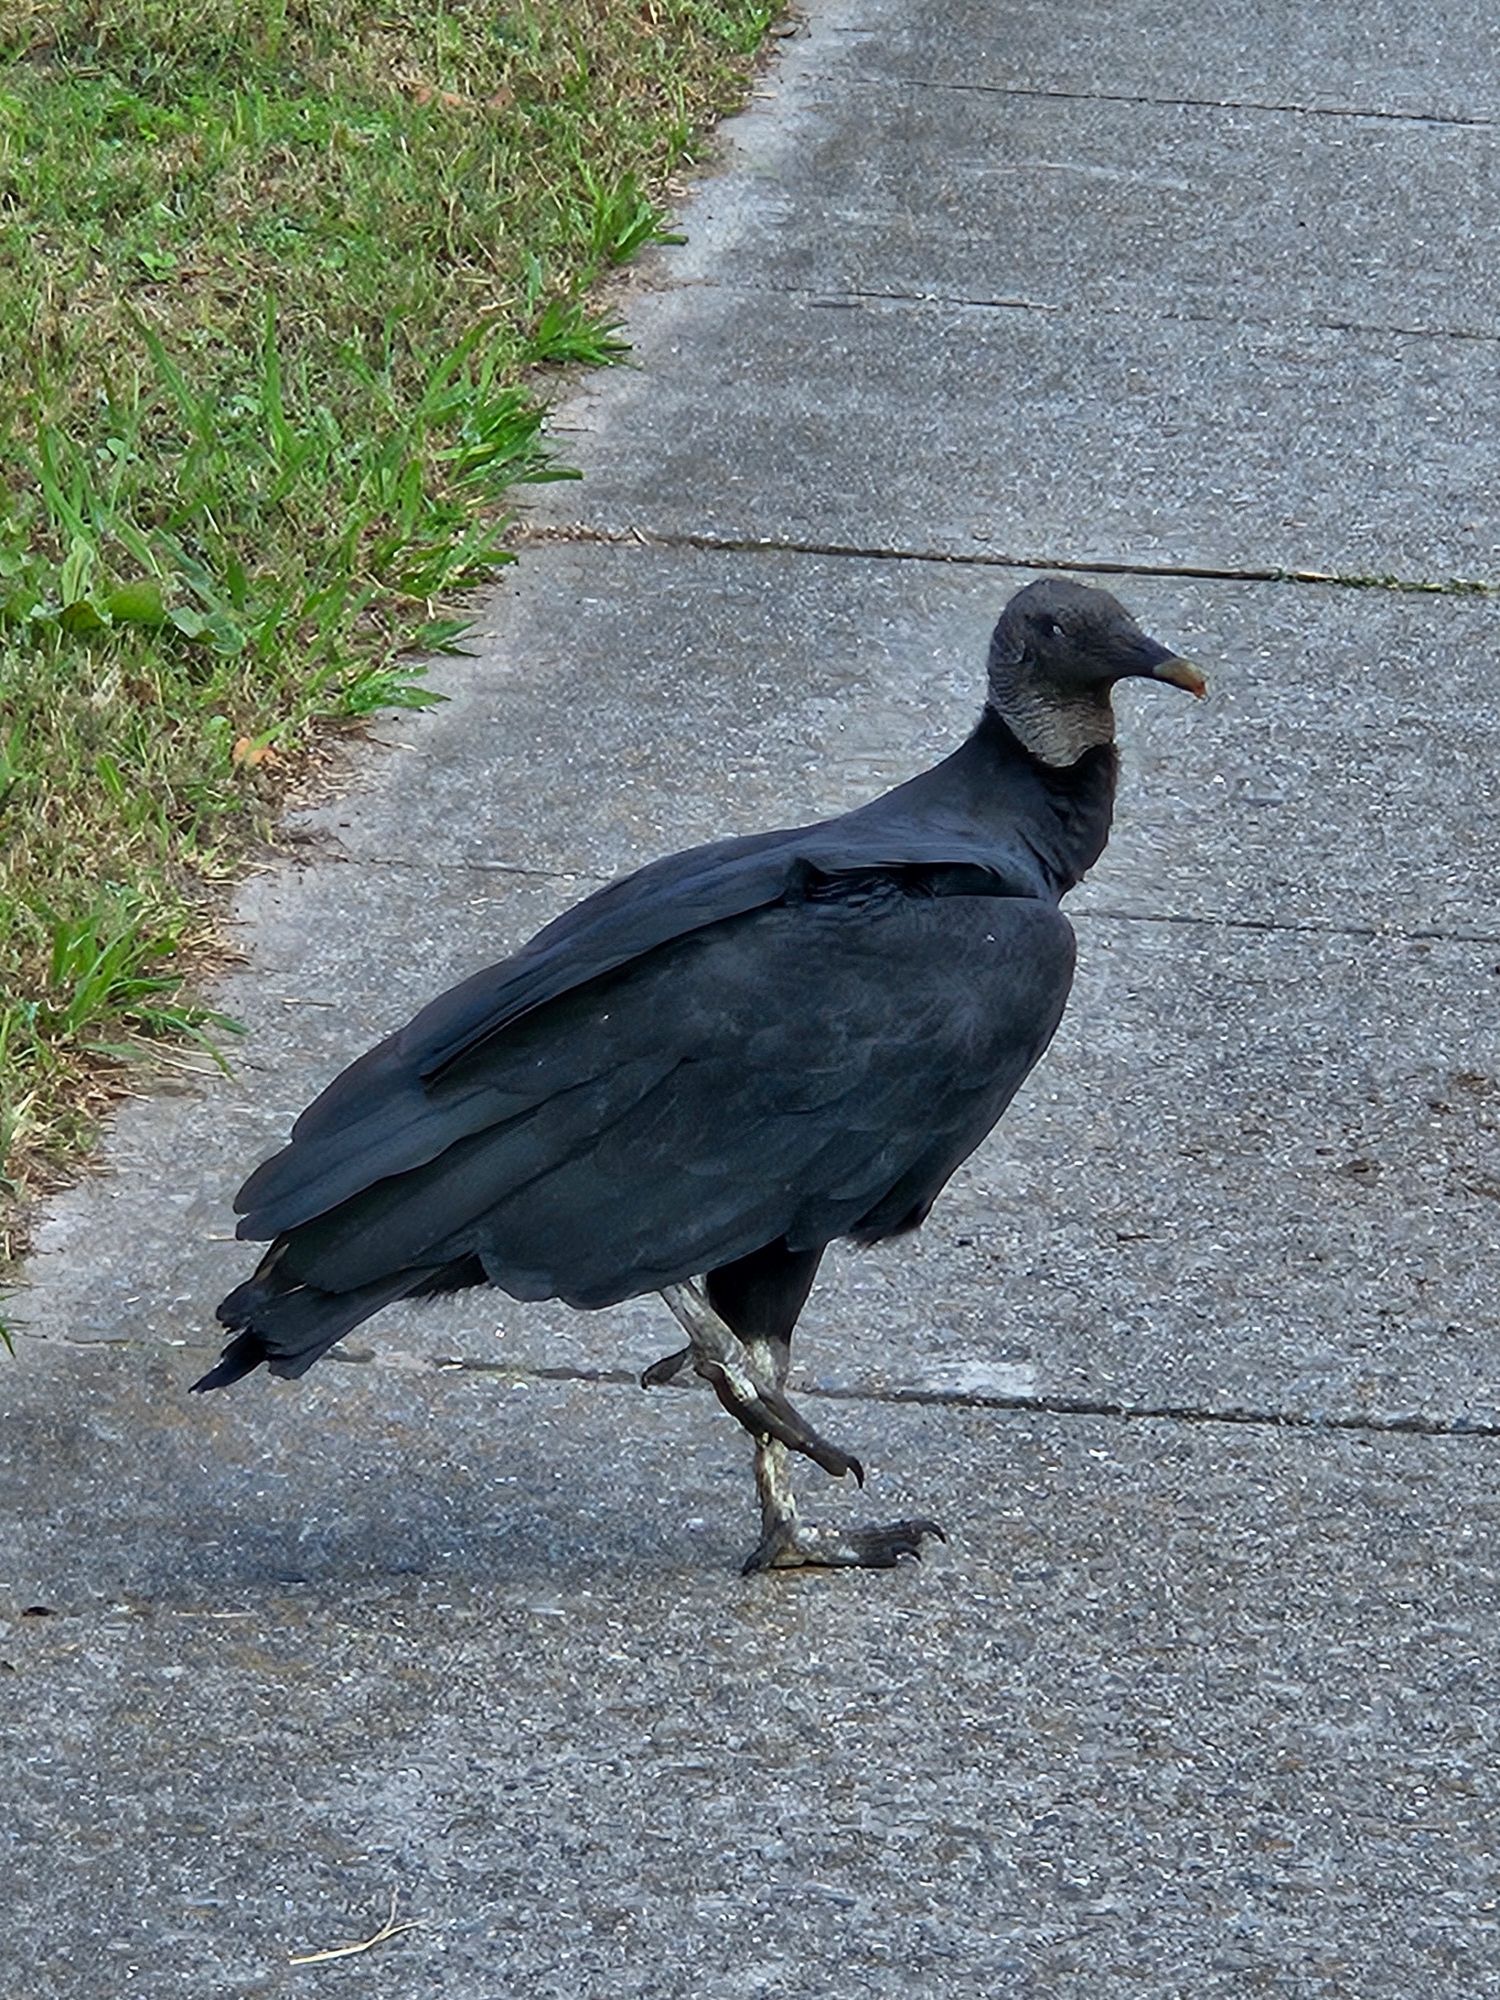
[(694, 1081)]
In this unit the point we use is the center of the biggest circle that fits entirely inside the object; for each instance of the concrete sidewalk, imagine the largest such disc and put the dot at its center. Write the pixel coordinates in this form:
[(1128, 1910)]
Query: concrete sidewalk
[(1199, 1360)]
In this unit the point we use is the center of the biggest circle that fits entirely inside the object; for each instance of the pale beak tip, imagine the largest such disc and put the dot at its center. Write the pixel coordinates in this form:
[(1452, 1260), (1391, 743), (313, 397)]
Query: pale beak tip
[(1183, 674)]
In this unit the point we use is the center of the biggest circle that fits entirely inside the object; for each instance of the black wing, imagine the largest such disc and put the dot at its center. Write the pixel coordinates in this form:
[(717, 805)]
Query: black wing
[(423, 1089), (810, 1070)]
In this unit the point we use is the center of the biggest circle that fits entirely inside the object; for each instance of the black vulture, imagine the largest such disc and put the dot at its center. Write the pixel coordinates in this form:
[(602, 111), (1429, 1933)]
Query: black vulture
[(695, 1080)]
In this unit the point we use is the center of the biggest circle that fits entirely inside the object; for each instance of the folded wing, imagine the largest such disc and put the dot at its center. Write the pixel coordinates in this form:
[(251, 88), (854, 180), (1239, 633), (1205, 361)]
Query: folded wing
[(809, 1068)]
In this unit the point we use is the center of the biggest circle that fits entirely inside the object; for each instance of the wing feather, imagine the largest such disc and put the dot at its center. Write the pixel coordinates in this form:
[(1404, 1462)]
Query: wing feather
[(706, 1105), (458, 1067)]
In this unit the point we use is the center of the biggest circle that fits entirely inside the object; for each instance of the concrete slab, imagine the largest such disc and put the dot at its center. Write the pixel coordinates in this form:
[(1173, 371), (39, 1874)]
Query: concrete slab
[(1090, 203), (942, 429), (485, 1657), (1405, 58)]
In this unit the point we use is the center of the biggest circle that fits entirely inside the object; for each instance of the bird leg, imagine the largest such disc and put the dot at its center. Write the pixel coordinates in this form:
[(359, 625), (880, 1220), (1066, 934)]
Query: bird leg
[(746, 1389), (789, 1543), (749, 1373)]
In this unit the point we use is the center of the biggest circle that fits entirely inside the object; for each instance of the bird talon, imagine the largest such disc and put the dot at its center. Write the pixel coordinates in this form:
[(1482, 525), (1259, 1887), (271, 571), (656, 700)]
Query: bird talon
[(667, 1370), (793, 1544)]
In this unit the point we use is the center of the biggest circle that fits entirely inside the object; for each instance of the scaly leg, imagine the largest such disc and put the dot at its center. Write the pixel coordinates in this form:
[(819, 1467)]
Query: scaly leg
[(740, 1326), (786, 1542), (748, 1393)]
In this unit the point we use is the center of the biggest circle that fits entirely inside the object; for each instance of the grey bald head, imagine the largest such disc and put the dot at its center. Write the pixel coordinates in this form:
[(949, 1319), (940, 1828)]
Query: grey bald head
[(1056, 653)]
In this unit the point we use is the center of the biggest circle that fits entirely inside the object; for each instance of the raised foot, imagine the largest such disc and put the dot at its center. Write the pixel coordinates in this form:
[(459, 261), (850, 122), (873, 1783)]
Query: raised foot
[(799, 1545), (764, 1411), (660, 1373)]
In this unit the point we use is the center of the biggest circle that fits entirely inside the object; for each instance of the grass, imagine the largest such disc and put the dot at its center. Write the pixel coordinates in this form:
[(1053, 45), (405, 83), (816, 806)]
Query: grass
[(275, 285)]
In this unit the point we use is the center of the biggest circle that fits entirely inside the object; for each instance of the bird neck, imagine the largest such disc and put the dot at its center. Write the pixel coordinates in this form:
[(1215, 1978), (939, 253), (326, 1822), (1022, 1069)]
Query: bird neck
[(1062, 812), (996, 804), (1057, 727)]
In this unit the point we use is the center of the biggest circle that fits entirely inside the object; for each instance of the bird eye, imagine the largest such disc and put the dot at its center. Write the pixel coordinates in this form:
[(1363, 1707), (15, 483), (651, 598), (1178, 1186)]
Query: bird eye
[(1051, 629)]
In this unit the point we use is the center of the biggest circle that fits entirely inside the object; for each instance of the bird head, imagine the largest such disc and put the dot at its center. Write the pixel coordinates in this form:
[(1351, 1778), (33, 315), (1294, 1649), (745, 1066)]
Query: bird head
[(1057, 651)]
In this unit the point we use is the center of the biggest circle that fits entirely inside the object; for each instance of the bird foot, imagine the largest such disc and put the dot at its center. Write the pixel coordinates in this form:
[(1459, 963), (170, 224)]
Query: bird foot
[(800, 1545), (742, 1383), (767, 1413), (764, 1411)]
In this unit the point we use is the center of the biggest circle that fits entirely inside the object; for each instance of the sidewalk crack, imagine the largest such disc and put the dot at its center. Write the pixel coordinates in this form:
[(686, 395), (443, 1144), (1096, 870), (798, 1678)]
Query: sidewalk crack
[(851, 299), (536, 532), (1475, 121), (1399, 1424), (1408, 1423)]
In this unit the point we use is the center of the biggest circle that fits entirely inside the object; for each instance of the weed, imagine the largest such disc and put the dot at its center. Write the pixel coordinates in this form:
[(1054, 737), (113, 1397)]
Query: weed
[(566, 331)]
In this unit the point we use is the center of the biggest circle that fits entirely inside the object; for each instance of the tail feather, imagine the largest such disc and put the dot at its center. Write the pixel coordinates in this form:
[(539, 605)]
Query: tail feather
[(241, 1357), (290, 1326)]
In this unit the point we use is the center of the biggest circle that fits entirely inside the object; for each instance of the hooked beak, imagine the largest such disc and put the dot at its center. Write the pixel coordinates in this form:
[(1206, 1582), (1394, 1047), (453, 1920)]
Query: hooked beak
[(1154, 663), (1181, 674)]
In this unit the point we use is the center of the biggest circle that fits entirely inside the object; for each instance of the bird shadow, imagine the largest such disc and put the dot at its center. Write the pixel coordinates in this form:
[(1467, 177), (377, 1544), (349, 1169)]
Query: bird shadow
[(368, 1479)]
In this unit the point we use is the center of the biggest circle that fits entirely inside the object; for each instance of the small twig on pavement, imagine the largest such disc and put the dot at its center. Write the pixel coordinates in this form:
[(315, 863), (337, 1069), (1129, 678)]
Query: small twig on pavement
[(389, 1929)]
